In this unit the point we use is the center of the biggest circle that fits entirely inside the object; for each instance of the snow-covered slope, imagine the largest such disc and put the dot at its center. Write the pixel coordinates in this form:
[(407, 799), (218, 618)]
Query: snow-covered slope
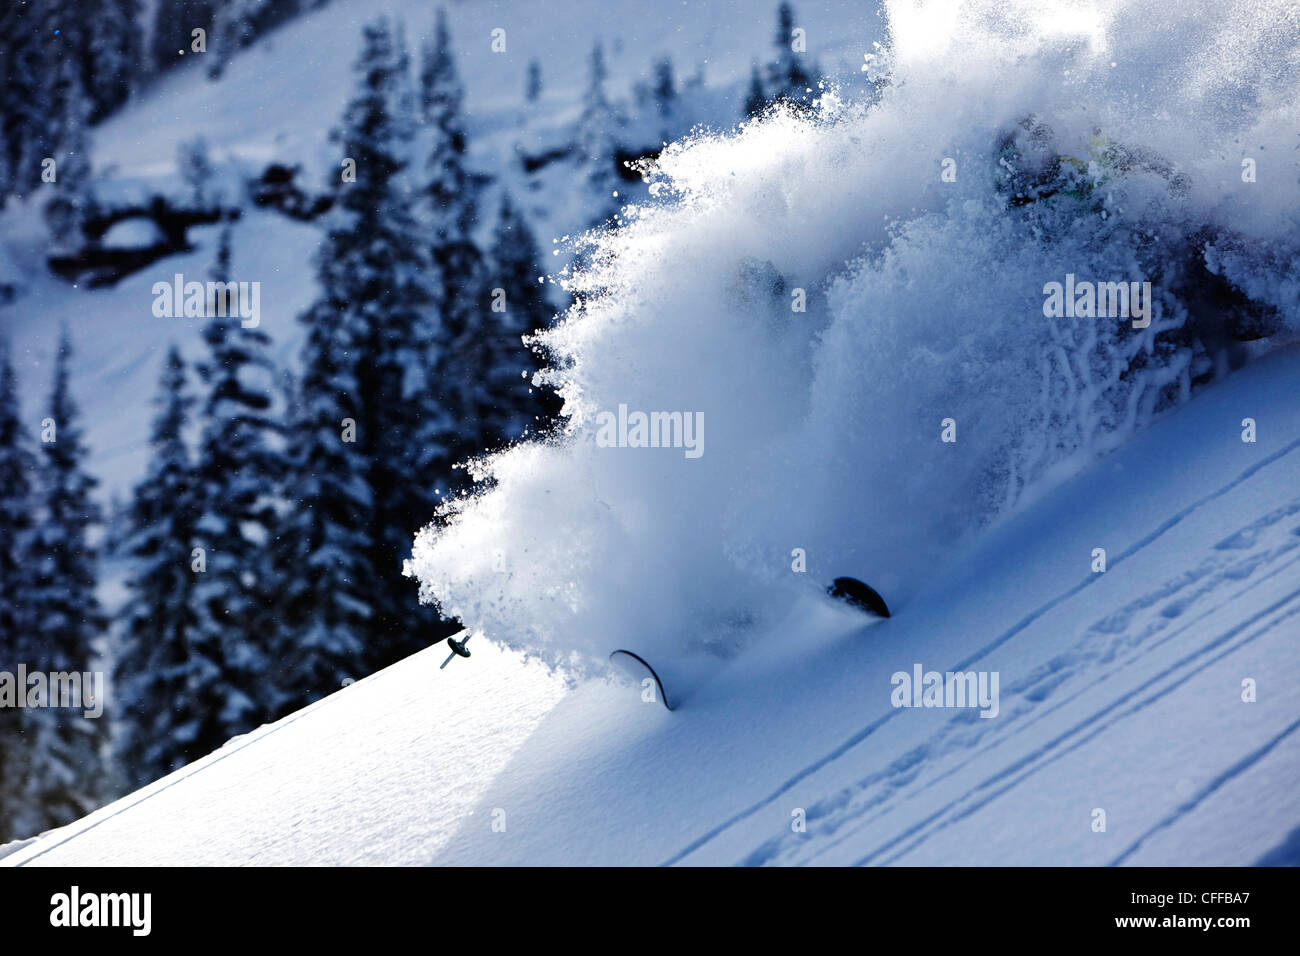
[(1120, 691), (1126, 692)]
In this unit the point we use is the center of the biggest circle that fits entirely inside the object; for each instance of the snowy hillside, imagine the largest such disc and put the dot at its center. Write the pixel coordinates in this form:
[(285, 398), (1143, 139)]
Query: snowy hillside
[(243, 176), (1120, 691), (120, 344), (999, 313)]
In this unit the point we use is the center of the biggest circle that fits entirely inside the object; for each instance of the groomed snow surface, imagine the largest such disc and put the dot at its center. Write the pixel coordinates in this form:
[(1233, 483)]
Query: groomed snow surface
[(1119, 691)]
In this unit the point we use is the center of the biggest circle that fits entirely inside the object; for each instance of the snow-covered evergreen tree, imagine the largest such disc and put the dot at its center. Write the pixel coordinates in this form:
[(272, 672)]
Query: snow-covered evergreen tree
[(756, 99), (220, 269), (372, 335), (494, 364), (440, 90), (67, 772), (196, 170), (17, 473), (70, 203), (533, 83), (234, 25), (237, 474), (24, 94), (174, 24), (17, 587), (326, 602), (789, 77), (596, 139), (452, 202), (665, 88), (113, 60), (6, 178), (154, 675), (452, 188)]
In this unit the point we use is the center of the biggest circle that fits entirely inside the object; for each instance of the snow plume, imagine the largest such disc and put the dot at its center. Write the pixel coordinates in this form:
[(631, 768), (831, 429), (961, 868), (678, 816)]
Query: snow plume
[(1102, 143)]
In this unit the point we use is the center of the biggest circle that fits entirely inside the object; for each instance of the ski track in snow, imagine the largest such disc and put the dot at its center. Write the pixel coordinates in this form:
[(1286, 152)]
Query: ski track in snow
[(880, 790), (1230, 774), (1049, 754), (1045, 680)]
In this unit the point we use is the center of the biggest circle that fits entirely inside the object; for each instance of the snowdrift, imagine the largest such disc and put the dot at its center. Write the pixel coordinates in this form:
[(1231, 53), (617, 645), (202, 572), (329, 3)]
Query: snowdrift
[(829, 295)]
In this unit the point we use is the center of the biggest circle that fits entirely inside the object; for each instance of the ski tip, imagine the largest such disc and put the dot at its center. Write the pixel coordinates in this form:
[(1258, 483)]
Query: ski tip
[(635, 665), (859, 594)]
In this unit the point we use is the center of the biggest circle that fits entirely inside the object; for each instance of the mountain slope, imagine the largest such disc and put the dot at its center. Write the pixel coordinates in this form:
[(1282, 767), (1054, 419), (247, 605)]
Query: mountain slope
[(279, 100), (1120, 691)]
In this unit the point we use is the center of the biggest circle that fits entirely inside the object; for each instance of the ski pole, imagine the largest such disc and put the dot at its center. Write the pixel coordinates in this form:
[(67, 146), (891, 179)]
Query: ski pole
[(453, 653)]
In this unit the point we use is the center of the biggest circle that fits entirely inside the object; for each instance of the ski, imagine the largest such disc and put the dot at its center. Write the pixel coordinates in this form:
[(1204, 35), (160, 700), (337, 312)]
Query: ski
[(858, 594), (636, 667)]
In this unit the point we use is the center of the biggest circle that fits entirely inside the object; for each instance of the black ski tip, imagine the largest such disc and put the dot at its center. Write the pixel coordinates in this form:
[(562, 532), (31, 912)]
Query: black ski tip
[(628, 662), (860, 595)]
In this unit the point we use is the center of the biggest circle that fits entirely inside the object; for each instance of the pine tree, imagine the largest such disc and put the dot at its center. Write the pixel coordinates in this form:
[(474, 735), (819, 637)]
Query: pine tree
[(196, 170), (665, 88), (788, 77), (220, 270), (173, 29), (234, 26), (597, 140), (533, 83), (154, 675), (17, 474), (372, 336), (497, 366), (67, 770), (440, 89), (17, 587), (6, 178), (756, 100), (24, 93), (452, 189), (237, 475), (67, 209), (452, 194), (113, 58), (326, 605)]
